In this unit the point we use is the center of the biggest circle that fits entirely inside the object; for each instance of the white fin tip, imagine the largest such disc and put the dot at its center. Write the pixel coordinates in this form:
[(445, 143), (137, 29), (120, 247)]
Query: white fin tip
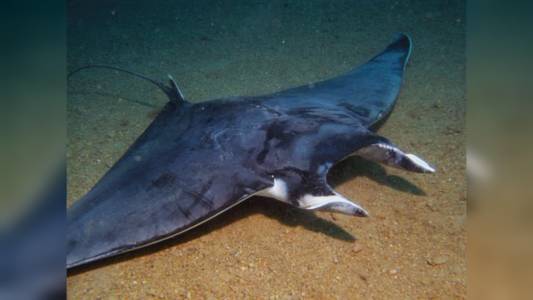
[(420, 163)]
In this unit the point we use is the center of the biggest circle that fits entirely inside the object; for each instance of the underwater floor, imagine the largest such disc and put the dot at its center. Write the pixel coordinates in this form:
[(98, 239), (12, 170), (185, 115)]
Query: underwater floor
[(414, 243)]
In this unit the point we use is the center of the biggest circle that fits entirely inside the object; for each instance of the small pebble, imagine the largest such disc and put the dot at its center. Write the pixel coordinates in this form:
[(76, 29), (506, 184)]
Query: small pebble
[(438, 260), (357, 248), (432, 206)]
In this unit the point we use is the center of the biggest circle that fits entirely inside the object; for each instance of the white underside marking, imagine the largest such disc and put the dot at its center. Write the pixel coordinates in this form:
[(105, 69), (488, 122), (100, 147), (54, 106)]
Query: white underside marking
[(313, 202), (316, 202), (420, 163), (277, 191), (371, 153)]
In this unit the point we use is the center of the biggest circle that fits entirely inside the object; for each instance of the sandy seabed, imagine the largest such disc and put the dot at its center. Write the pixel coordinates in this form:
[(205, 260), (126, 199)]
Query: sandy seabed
[(414, 243)]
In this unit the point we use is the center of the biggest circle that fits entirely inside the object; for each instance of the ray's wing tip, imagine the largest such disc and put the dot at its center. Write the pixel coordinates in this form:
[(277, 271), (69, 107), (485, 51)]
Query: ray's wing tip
[(431, 170), (421, 166), (402, 40), (403, 43), (362, 213)]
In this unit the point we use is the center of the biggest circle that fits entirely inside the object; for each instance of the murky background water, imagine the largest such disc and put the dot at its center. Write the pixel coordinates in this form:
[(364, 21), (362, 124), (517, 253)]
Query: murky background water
[(412, 246)]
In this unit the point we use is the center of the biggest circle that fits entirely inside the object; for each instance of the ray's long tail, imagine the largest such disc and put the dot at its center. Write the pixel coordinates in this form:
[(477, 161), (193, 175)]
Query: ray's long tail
[(172, 91)]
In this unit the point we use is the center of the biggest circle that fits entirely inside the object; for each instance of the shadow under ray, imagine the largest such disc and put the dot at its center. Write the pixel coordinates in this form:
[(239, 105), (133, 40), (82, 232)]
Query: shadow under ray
[(355, 167), (283, 213), (291, 216)]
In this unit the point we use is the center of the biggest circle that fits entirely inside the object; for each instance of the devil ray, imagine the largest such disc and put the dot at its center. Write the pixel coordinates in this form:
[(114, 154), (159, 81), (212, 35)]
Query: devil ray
[(196, 161)]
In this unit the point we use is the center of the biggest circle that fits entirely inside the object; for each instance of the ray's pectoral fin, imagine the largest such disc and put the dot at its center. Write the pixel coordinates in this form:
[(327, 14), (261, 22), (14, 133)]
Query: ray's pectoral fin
[(386, 153), (317, 196)]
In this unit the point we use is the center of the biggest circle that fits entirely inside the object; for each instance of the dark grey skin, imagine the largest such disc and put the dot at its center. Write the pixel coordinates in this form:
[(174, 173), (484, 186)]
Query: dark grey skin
[(197, 160)]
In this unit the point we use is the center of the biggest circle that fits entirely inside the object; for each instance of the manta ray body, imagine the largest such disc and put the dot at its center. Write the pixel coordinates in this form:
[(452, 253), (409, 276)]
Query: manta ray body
[(196, 161)]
